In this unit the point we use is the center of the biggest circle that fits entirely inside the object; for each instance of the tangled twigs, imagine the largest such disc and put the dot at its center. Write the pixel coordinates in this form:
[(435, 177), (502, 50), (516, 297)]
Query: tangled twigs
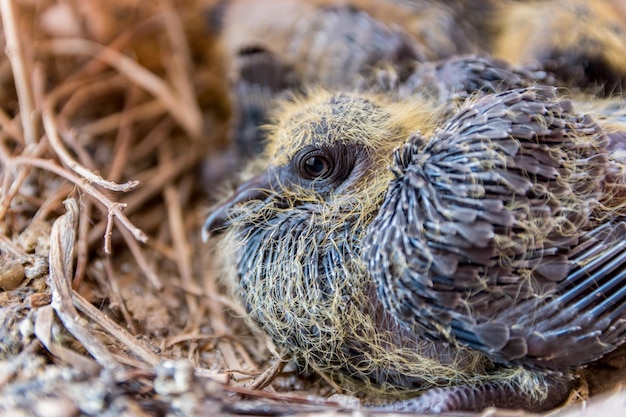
[(113, 207), (62, 248), (112, 95), (115, 330), (188, 115), (44, 330), (65, 300), (50, 126)]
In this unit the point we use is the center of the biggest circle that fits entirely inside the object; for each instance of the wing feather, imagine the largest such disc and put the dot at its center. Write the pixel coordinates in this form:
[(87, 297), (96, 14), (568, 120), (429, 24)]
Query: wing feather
[(487, 238)]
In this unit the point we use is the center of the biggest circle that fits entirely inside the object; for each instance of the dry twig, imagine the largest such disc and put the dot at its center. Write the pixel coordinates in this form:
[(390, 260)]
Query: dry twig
[(15, 52), (62, 249)]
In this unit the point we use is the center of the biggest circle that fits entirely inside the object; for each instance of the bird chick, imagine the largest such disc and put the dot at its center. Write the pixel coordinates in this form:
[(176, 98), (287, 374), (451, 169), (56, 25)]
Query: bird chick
[(484, 266)]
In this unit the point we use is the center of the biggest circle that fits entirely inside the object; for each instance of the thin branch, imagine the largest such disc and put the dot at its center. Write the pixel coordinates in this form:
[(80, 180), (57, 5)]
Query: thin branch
[(113, 207), (44, 331), (62, 250), (269, 375), (15, 52), (153, 184), (114, 329), (125, 134), (181, 244), (108, 232), (82, 248), (51, 128)]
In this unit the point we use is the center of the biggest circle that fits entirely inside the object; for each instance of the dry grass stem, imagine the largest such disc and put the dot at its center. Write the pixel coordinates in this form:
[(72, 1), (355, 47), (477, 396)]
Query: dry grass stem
[(51, 128), (15, 52), (115, 330), (114, 208), (45, 334), (62, 249)]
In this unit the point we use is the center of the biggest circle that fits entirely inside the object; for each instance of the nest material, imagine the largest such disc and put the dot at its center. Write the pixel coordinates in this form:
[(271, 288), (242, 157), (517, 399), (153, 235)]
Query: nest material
[(109, 303)]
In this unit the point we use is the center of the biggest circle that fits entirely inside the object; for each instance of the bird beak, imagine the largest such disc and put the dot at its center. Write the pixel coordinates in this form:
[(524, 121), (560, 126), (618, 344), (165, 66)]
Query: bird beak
[(257, 188)]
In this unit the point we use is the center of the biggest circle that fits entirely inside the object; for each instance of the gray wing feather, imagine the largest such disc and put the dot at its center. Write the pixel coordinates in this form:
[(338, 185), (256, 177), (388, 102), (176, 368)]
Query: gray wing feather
[(486, 237)]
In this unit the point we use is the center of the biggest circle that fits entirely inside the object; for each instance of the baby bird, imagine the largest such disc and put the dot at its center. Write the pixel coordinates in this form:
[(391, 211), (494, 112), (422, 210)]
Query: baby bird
[(477, 259)]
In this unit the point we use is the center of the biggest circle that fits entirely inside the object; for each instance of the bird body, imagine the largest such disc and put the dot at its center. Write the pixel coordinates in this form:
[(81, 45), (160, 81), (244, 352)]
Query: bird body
[(451, 228), (321, 302), (491, 251)]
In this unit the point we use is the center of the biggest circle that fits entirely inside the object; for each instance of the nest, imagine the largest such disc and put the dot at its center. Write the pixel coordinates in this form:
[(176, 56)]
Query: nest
[(109, 302)]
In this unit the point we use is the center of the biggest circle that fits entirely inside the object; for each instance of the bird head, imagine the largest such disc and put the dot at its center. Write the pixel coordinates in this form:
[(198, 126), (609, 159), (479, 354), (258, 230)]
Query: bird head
[(328, 153)]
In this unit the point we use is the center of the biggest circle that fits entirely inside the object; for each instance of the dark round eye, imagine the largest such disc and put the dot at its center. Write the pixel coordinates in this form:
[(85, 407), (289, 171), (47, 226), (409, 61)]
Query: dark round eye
[(315, 165)]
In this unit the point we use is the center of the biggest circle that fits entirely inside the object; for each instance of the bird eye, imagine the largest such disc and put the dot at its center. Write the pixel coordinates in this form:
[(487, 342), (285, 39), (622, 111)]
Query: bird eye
[(313, 166)]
